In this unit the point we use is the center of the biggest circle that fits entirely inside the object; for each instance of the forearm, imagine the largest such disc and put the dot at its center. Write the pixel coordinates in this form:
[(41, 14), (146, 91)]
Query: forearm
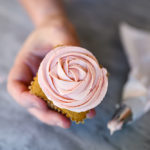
[(42, 10)]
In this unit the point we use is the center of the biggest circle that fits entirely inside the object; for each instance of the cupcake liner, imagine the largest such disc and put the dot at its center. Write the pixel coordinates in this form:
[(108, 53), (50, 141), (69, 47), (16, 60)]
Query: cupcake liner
[(74, 116)]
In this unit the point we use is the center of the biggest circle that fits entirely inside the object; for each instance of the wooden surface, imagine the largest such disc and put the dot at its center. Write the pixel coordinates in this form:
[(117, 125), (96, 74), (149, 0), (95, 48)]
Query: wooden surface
[(97, 23)]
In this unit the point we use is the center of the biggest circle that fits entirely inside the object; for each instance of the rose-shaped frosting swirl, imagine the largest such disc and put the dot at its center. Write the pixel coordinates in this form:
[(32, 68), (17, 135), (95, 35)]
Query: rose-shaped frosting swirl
[(72, 78)]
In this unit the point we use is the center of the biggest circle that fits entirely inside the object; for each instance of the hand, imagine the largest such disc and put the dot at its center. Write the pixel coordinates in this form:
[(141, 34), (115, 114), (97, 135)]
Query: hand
[(37, 45)]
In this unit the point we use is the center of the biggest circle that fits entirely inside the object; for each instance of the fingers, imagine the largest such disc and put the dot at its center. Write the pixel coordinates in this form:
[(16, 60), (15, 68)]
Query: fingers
[(51, 117), (18, 82), (31, 101), (91, 114), (21, 94), (19, 79)]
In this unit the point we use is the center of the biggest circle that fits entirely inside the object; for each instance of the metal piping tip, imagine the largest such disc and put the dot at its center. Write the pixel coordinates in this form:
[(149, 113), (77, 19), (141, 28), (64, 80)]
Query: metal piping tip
[(121, 117)]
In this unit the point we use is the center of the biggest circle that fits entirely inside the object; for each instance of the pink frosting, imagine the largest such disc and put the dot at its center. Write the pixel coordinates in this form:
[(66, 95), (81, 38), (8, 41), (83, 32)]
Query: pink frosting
[(72, 79)]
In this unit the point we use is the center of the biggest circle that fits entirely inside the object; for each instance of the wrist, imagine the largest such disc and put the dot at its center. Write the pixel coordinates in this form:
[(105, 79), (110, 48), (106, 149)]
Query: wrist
[(52, 19), (40, 10), (62, 26)]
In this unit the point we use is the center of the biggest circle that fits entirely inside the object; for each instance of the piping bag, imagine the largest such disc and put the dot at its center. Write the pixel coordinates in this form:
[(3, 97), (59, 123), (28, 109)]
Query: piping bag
[(136, 91)]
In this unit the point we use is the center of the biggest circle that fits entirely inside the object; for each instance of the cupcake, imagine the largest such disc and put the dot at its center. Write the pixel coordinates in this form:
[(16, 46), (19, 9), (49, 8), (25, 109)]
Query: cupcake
[(71, 81)]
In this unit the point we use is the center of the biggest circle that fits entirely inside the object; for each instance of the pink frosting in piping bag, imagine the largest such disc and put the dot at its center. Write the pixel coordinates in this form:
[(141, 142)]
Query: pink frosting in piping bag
[(72, 78)]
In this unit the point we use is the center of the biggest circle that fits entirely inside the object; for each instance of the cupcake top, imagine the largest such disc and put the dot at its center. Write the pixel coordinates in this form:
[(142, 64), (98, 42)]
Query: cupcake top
[(72, 79)]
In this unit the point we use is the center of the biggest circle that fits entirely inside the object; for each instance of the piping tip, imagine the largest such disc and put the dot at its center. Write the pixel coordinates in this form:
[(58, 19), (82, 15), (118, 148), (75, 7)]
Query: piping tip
[(121, 117)]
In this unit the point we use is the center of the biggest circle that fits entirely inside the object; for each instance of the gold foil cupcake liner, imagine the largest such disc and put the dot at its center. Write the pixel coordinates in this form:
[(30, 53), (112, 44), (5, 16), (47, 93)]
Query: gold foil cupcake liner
[(74, 116)]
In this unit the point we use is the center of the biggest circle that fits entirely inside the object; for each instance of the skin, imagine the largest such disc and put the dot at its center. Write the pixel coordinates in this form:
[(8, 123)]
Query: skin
[(52, 28)]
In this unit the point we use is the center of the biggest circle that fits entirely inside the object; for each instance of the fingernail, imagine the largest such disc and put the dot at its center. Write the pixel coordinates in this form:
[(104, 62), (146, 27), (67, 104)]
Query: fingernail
[(36, 105), (59, 124), (89, 115), (32, 106)]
